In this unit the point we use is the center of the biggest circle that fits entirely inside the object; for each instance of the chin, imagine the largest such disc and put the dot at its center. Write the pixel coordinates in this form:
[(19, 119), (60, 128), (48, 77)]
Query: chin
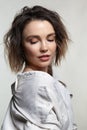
[(44, 65)]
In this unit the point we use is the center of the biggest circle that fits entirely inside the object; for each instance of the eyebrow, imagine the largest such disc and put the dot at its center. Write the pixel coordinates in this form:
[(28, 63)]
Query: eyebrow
[(37, 36)]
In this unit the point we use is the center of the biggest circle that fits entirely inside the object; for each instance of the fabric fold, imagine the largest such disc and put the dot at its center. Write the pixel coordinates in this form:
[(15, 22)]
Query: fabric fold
[(38, 102)]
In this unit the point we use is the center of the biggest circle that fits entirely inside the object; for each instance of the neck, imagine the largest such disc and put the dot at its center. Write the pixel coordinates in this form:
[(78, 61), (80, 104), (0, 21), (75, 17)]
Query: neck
[(30, 68)]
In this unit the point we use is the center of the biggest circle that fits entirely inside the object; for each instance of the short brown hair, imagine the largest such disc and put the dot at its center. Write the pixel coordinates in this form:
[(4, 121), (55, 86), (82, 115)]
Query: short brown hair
[(13, 38)]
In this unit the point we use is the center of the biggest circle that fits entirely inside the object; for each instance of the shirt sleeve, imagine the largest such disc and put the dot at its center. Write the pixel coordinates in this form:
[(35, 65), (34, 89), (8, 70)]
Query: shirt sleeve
[(67, 97), (7, 122)]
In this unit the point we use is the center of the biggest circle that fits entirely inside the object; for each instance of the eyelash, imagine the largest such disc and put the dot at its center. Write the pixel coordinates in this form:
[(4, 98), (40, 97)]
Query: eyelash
[(51, 40), (33, 42)]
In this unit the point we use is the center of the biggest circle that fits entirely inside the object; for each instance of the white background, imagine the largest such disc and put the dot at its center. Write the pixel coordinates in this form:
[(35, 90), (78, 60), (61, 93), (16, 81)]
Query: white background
[(72, 70)]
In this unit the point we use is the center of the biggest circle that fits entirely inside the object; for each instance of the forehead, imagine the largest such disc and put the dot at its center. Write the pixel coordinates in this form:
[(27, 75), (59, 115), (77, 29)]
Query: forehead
[(38, 27)]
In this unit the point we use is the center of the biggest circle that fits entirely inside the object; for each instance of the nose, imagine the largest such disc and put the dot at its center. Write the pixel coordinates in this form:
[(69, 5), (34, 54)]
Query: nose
[(44, 47)]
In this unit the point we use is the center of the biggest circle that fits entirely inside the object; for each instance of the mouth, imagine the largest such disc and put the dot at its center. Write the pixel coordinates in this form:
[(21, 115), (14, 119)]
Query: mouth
[(44, 58)]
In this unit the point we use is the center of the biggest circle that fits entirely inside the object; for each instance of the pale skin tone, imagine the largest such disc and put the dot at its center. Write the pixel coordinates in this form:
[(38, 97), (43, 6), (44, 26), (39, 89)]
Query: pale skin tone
[(39, 45)]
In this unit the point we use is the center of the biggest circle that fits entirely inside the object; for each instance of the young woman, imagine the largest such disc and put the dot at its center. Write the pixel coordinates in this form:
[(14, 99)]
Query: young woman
[(36, 39)]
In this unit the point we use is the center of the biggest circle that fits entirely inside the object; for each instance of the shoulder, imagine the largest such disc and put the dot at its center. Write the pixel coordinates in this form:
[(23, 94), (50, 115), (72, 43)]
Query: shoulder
[(32, 81), (35, 77)]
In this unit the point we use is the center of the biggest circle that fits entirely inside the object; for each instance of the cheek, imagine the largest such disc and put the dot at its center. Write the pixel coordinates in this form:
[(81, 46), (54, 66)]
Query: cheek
[(53, 47), (29, 55), (30, 51)]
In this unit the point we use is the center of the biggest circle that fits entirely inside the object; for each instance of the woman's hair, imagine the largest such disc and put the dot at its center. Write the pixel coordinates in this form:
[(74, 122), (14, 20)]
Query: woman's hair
[(13, 38)]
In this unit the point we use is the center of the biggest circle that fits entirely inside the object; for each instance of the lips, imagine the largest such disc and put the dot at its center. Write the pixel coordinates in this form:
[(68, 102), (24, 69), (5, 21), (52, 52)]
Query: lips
[(44, 57)]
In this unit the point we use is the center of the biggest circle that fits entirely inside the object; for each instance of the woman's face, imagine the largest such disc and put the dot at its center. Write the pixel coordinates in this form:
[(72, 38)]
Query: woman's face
[(39, 44)]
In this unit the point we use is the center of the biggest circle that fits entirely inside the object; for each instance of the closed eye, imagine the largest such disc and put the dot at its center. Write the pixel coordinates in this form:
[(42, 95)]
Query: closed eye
[(51, 37), (51, 40), (33, 42)]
